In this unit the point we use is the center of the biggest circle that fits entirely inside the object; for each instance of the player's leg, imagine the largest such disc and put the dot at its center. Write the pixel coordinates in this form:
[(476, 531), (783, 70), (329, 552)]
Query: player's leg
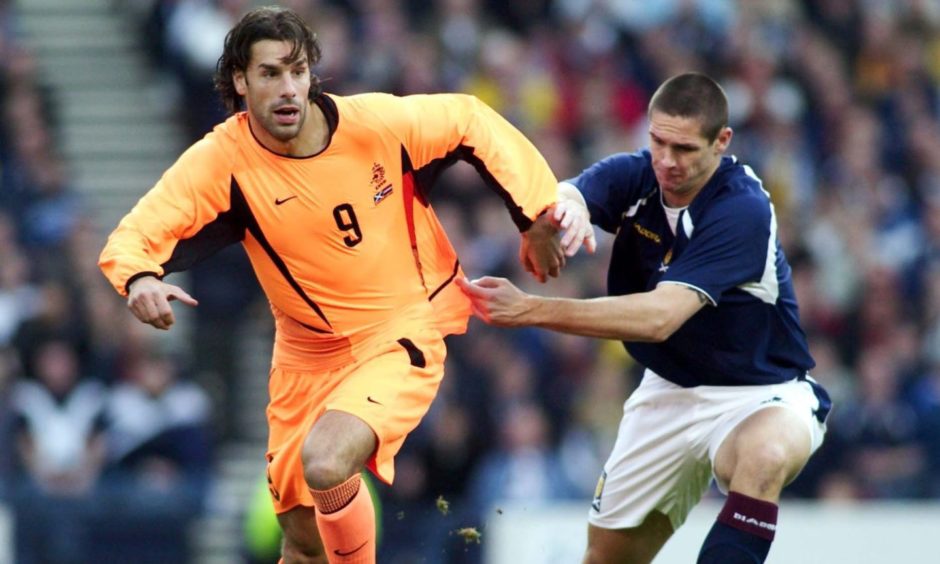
[(334, 452), (345, 513), (368, 416), (301, 544), (636, 545), (654, 476), (758, 458)]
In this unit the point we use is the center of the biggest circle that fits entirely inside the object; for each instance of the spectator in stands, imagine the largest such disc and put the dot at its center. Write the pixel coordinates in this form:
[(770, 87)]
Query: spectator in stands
[(60, 449), (524, 468), (195, 30), (9, 372), (884, 437), (159, 451), (19, 299)]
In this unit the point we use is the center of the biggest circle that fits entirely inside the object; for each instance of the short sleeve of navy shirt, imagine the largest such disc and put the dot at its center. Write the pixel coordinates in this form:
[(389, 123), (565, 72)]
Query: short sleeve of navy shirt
[(724, 246)]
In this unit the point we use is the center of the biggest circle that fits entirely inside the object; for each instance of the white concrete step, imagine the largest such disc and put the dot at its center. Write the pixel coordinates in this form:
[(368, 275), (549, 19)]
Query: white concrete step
[(68, 6), (87, 41), (79, 103), (216, 535), (125, 130), (100, 110), (73, 25), (107, 70), (142, 167), (125, 188), (125, 145)]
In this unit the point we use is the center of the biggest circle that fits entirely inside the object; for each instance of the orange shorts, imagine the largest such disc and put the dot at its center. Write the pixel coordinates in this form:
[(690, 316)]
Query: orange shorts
[(390, 389)]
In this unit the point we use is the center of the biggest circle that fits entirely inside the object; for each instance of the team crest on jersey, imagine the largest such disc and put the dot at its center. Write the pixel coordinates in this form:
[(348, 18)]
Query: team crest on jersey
[(379, 184), (598, 491), (666, 260), (378, 176)]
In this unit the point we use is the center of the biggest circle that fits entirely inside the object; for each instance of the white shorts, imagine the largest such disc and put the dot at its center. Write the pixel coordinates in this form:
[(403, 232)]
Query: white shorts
[(668, 439)]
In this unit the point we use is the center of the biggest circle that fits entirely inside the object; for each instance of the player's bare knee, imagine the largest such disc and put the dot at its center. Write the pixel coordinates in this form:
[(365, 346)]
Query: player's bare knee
[(769, 457), (762, 470), (327, 471)]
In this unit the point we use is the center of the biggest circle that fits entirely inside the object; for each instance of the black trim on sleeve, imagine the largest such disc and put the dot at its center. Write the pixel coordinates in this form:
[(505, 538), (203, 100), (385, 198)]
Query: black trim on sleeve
[(138, 276), (227, 228), (426, 176), (414, 353)]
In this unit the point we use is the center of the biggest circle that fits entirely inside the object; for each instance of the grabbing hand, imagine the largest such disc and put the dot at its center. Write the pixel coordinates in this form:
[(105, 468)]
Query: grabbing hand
[(497, 301), (572, 217), (149, 300), (540, 252)]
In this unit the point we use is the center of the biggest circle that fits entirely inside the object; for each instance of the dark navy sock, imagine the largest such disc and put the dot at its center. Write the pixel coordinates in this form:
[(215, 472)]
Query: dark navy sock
[(742, 534)]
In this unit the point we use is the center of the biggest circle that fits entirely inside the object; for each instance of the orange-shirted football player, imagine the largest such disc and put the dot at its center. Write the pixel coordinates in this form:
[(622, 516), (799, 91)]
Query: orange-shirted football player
[(327, 195)]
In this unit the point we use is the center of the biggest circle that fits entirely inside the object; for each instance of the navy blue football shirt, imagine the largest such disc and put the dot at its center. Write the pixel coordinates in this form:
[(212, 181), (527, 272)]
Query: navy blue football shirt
[(725, 246)]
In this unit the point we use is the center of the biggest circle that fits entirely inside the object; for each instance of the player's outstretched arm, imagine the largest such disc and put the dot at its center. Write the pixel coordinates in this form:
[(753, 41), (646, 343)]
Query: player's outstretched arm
[(647, 316), (498, 301), (149, 300)]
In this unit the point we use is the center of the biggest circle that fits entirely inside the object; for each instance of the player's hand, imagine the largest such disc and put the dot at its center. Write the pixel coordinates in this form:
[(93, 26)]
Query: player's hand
[(497, 301), (540, 251), (574, 219), (149, 300), (572, 216)]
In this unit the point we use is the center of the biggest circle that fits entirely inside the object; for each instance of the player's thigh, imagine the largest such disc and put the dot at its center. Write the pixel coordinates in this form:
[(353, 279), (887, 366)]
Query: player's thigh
[(636, 545), (392, 392), (655, 464), (765, 450), (301, 538), (766, 433)]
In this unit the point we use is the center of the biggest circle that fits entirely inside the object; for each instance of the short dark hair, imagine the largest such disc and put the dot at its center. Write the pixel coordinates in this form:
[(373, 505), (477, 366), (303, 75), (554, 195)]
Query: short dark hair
[(269, 22), (693, 95)]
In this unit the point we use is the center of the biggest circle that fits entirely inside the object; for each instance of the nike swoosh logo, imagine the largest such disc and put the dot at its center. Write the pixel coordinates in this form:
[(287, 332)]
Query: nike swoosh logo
[(353, 551), (370, 400), (278, 201)]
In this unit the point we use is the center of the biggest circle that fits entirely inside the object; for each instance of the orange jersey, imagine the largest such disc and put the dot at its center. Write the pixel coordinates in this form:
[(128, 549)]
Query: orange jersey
[(344, 242)]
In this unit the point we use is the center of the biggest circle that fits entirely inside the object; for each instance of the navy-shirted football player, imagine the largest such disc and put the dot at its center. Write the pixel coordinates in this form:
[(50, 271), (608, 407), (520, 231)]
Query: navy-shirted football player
[(700, 293)]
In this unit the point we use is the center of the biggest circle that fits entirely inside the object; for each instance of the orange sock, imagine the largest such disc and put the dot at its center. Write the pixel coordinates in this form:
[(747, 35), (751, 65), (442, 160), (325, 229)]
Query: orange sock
[(348, 533)]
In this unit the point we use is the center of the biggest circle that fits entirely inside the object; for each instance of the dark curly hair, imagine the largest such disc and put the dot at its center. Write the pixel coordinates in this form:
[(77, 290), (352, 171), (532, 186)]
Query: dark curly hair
[(269, 22)]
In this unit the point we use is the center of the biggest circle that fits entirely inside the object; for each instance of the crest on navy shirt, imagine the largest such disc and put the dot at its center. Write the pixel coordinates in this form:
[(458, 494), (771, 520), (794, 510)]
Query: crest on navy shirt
[(664, 265)]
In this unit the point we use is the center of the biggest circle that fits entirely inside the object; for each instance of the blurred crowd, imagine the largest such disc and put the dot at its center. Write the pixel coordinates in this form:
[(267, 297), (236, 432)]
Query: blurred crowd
[(834, 103)]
